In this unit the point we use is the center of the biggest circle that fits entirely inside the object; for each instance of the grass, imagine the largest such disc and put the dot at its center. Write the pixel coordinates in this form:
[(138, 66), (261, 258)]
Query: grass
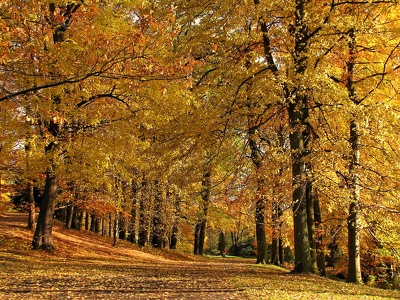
[(86, 266)]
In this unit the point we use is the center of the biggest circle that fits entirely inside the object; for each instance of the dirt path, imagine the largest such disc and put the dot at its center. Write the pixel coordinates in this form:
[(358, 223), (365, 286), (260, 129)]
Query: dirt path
[(98, 280), (27, 275)]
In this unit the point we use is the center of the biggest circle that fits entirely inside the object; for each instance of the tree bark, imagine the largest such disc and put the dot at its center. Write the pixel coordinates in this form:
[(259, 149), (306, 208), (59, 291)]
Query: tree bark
[(261, 238), (175, 226), (196, 239), (70, 216), (144, 204), (200, 230), (81, 220), (276, 234), (116, 229), (262, 253), (31, 201), (43, 238), (301, 236), (158, 232), (320, 249), (311, 225), (353, 220)]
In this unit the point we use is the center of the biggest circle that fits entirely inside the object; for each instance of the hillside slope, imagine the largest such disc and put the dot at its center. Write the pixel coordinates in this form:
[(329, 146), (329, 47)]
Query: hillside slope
[(86, 266)]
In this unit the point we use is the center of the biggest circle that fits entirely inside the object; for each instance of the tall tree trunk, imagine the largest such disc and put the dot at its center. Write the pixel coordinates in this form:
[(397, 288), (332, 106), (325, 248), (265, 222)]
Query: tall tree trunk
[(144, 205), (311, 225), (70, 216), (43, 238), (301, 236), (116, 229), (261, 238), (196, 239), (175, 225), (31, 201), (87, 221), (276, 233), (262, 251), (200, 231), (280, 248), (158, 232), (298, 113), (296, 98), (353, 220), (81, 220), (320, 249)]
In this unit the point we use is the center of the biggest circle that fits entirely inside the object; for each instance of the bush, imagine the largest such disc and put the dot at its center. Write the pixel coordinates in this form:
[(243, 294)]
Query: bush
[(247, 252)]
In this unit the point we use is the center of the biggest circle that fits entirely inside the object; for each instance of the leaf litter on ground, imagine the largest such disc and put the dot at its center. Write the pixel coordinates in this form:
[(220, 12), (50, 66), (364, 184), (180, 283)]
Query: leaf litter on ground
[(85, 265)]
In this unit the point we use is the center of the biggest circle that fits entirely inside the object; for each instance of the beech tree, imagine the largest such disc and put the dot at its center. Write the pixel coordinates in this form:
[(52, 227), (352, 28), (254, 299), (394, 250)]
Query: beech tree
[(119, 102)]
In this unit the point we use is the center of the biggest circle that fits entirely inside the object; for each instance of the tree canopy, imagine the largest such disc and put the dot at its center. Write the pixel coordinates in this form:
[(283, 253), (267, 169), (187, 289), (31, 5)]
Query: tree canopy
[(178, 115)]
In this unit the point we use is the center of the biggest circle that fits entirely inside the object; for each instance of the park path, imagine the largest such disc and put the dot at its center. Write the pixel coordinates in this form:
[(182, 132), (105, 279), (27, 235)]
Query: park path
[(115, 277)]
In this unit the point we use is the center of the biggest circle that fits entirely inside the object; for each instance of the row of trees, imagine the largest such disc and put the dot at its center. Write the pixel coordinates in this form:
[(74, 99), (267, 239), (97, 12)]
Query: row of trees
[(165, 111)]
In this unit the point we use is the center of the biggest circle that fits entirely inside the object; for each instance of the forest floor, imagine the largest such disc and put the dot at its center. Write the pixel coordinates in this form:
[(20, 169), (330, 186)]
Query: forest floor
[(84, 265)]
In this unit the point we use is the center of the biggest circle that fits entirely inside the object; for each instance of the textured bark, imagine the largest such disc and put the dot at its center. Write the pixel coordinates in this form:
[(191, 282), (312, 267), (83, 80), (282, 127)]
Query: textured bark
[(175, 226), (353, 220), (320, 249), (298, 113), (301, 236), (31, 201), (276, 251), (70, 216), (200, 230), (296, 98), (87, 221), (311, 226), (116, 230), (262, 253), (81, 220), (196, 239), (144, 204), (261, 237), (157, 232), (43, 238)]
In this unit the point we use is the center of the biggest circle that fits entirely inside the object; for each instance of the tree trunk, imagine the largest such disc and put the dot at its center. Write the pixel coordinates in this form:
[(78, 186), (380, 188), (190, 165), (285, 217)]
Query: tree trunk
[(235, 242), (87, 221), (261, 238), (301, 236), (262, 253), (200, 231), (311, 225), (175, 226), (110, 225), (196, 239), (158, 232), (353, 220), (70, 216), (103, 227), (276, 234), (43, 238), (31, 200), (144, 205), (320, 249), (280, 249), (81, 220), (116, 229)]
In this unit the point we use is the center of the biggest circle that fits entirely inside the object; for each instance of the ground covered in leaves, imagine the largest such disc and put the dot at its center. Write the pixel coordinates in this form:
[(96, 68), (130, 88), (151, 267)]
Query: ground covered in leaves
[(86, 266)]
